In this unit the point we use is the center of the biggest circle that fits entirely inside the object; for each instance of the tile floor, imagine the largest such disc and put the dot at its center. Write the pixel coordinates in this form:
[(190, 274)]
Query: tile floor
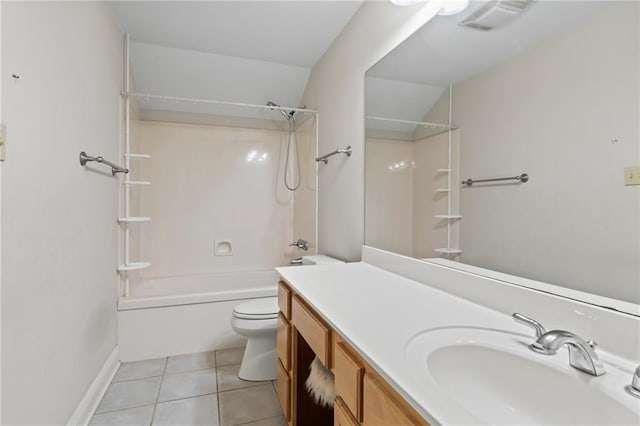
[(185, 390)]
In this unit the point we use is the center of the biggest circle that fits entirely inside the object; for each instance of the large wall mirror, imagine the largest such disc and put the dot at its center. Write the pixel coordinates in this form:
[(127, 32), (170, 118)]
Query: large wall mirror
[(551, 91)]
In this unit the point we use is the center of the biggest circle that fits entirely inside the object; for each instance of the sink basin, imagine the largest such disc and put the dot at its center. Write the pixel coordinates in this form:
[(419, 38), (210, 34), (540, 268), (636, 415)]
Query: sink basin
[(493, 378)]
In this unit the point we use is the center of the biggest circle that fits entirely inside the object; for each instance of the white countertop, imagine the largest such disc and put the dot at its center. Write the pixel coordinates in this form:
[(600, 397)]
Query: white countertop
[(379, 312)]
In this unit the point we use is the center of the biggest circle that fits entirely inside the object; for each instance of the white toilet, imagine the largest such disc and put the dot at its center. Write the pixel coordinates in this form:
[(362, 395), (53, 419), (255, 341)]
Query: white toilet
[(258, 321)]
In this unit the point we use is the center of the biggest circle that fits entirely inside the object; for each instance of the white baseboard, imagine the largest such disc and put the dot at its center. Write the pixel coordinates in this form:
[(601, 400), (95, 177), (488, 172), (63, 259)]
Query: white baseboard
[(84, 411)]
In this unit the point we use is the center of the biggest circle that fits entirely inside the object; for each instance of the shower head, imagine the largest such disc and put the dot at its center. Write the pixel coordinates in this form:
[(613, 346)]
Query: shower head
[(287, 115)]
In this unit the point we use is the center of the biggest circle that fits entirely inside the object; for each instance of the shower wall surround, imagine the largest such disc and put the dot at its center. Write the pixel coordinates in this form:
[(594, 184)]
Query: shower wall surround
[(402, 186), (304, 199), (210, 184)]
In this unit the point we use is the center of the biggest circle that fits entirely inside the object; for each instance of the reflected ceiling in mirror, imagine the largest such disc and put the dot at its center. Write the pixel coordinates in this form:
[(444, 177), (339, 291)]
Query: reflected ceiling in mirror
[(553, 93)]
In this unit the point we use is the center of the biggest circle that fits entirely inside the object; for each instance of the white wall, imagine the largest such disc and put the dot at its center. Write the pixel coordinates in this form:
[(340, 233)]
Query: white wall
[(211, 183), (60, 238), (552, 112), (336, 88)]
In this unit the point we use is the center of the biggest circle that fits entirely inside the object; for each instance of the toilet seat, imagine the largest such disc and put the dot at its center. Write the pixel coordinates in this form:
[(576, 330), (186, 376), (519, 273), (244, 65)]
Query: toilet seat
[(260, 309)]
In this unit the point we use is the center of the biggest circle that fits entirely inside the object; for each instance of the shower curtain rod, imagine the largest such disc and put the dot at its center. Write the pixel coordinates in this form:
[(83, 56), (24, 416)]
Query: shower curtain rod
[(214, 102), (420, 123)]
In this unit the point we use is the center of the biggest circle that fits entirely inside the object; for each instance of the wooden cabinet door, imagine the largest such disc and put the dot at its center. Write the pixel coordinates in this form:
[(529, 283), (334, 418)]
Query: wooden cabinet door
[(341, 415), (348, 374), (380, 408)]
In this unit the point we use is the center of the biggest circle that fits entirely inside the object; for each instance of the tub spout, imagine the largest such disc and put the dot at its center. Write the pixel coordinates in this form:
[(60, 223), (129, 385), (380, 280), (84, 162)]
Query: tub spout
[(296, 261)]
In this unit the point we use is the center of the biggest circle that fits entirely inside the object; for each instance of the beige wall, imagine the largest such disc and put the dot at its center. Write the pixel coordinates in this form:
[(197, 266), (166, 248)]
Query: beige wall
[(304, 198), (389, 185), (401, 198), (60, 237), (211, 183), (552, 112), (336, 89)]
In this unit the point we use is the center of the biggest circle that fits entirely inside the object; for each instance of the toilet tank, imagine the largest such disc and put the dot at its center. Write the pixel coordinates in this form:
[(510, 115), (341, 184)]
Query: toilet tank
[(318, 259)]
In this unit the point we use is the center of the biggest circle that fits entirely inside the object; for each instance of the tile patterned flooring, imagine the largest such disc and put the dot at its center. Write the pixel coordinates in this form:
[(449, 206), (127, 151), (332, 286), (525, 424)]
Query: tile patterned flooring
[(185, 390)]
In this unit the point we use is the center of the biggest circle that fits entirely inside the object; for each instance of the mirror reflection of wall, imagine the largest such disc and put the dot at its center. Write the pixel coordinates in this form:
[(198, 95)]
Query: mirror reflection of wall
[(553, 93)]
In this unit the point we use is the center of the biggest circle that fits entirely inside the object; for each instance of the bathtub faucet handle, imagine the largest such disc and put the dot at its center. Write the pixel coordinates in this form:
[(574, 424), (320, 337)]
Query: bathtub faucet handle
[(300, 244)]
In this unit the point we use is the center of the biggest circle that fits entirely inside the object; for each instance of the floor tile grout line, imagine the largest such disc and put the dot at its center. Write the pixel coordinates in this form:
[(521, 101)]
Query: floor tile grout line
[(215, 362), (138, 378), (244, 387), (155, 405), (121, 409), (258, 420), (172, 373), (187, 397)]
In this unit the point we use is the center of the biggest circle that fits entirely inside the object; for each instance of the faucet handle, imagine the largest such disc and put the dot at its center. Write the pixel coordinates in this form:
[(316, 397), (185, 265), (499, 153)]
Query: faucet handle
[(540, 330), (634, 388)]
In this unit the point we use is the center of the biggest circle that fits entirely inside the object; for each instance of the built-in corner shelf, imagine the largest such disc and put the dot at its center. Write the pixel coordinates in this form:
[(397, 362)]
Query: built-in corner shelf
[(448, 250), (136, 182), (133, 219), (444, 170), (137, 156), (443, 190), (448, 217), (133, 266)]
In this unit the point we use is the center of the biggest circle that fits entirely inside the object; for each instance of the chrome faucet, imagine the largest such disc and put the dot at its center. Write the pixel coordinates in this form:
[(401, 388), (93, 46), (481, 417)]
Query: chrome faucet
[(300, 244), (634, 387), (581, 354)]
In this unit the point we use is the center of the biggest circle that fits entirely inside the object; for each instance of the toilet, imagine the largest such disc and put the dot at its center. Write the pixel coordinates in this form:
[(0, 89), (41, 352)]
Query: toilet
[(258, 321)]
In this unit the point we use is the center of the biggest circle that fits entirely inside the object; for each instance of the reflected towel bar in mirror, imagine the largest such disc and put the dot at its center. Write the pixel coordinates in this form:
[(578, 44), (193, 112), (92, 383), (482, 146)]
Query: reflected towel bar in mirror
[(84, 159), (522, 179)]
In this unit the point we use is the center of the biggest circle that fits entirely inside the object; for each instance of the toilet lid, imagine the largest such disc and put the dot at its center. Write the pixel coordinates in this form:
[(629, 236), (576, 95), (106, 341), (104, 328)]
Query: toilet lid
[(266, 308)]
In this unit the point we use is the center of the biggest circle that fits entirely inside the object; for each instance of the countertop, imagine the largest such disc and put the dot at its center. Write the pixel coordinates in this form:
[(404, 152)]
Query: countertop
[(379, 312)]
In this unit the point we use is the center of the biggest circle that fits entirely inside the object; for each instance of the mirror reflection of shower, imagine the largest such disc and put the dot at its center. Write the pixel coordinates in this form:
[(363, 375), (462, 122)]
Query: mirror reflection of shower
[(296, 178)]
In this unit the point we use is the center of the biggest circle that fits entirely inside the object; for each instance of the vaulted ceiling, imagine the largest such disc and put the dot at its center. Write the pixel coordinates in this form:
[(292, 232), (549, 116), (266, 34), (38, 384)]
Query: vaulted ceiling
[(236, 51)]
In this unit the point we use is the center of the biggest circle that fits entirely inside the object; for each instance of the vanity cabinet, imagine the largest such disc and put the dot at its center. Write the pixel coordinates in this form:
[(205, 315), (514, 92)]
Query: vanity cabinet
[(363, 397)]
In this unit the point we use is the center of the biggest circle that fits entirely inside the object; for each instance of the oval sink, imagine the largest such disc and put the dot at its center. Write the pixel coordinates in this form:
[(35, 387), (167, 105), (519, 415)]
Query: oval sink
[(495, 378)]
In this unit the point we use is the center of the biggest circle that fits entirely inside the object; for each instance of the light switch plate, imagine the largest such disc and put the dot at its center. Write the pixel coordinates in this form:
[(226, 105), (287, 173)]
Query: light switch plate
[(632, 175)]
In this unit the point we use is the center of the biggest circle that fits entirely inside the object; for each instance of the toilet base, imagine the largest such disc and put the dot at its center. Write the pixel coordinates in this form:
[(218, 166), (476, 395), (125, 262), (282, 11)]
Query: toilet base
[(259, 362)]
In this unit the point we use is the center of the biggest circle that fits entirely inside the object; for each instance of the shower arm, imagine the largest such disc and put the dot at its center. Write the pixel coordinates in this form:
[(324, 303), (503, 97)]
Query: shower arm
[(325, 158)]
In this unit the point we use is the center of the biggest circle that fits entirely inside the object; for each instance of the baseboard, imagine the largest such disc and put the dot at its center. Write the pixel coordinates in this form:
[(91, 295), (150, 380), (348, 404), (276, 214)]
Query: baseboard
[(84, 411)]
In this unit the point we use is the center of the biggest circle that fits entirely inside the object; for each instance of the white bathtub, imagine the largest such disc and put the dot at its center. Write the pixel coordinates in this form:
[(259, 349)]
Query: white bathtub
[(178, 315), (191, 289)]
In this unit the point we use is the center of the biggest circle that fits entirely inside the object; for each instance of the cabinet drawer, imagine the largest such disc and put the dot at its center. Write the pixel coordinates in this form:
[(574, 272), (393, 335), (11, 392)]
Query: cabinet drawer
[(348, 373), (284, 341), (312, 330), (380, 408), (284, 299), (283, 389), (341, 415)]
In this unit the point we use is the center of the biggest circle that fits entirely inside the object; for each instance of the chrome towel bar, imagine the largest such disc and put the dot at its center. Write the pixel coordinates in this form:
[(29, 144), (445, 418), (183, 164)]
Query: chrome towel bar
[(325, 158), (84, 159), (522, 178)]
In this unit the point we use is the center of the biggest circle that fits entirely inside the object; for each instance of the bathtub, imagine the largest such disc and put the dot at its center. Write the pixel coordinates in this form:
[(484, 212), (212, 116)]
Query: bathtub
[(191, 289), (176, 315)]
